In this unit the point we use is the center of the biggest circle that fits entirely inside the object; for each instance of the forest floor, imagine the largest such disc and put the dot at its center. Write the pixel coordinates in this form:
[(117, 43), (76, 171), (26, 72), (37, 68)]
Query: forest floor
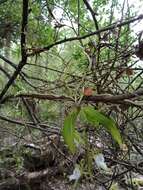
[(47, 167)]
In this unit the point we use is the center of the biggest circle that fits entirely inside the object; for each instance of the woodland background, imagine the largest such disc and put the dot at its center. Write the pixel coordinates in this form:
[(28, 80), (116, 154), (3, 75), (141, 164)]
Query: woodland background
[(71, 95)]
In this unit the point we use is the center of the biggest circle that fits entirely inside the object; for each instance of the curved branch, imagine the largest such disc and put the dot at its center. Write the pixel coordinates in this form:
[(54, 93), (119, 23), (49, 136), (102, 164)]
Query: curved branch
[(115, 25)]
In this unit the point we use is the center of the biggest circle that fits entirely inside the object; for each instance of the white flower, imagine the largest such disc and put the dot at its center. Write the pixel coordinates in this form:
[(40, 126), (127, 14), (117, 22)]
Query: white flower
[(100, 162), (76, 174)]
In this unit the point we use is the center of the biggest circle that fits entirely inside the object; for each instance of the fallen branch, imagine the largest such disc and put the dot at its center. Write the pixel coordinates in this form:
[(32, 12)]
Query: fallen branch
[(26, 179)]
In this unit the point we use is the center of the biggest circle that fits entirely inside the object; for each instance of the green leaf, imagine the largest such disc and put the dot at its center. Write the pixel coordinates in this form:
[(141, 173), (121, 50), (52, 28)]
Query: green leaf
[(77, 138), (68, 130), (85, 116), (94, 117)]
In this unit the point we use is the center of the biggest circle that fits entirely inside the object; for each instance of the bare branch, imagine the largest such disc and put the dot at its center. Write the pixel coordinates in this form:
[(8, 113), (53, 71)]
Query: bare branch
[(40, 50), (23, 50)]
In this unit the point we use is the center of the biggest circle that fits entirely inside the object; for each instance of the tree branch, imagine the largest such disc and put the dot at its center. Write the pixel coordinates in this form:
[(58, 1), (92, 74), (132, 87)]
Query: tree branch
[(40, 50), (23, 50), (105, 98)]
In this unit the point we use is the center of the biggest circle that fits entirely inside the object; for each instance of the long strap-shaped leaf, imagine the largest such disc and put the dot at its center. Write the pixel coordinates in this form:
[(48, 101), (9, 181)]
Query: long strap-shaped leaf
[(93, 116), (68, 130)]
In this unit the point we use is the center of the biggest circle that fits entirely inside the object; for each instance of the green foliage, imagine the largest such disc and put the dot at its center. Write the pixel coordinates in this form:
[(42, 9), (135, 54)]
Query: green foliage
[(10, 157), (64, 69), (68, 131), (94, 117), (48, 111), (10, 13)]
